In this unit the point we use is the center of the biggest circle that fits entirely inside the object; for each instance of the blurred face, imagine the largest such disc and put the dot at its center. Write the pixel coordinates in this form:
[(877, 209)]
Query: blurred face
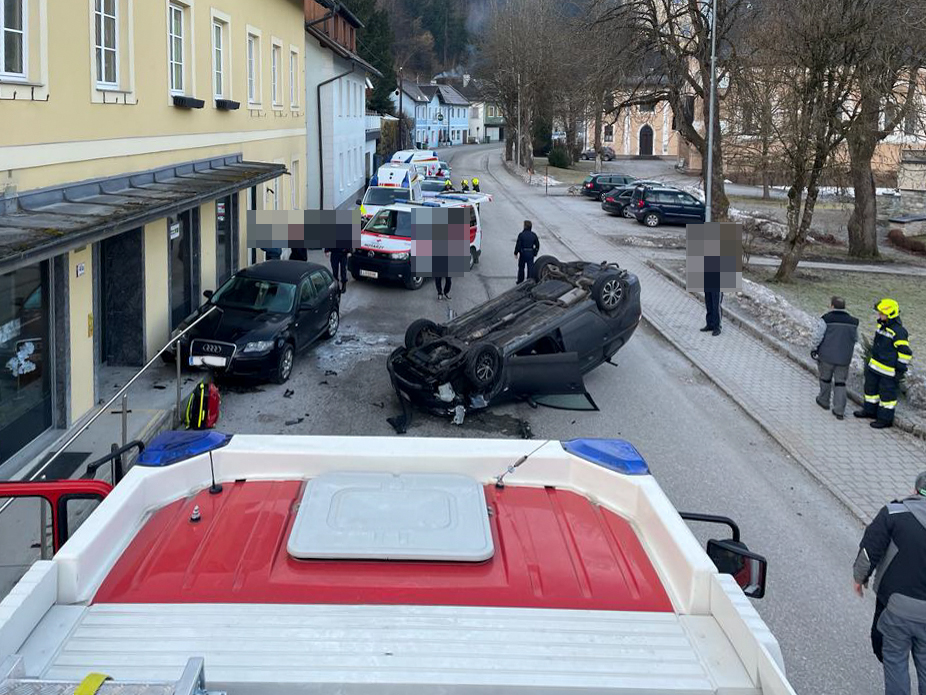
[(882, 317)]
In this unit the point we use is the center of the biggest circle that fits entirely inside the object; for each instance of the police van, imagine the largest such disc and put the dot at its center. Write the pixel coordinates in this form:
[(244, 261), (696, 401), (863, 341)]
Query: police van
[(386, 246)]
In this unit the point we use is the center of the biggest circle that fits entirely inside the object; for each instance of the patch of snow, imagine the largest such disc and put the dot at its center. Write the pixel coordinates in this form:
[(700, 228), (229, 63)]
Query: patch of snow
[(846, 192), (544, 181)]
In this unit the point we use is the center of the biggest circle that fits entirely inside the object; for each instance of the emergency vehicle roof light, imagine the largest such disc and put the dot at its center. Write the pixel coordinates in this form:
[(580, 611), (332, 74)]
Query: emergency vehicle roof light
[(171, 447), (614, 454)]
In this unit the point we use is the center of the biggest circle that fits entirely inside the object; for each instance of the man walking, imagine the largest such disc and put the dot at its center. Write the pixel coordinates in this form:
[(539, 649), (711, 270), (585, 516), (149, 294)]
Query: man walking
[(890, 355), (338, 258), (835, 337), (894, 546), (526, 248)]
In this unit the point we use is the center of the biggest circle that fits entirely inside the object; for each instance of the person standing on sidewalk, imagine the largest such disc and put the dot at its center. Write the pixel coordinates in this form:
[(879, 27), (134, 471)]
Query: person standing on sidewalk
[(525, 249), (890, 356), (835, 337), (894, 548)]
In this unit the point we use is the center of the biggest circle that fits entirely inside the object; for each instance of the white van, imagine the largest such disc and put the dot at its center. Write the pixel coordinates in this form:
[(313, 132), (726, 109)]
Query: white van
[(427, 161), (393, 183)]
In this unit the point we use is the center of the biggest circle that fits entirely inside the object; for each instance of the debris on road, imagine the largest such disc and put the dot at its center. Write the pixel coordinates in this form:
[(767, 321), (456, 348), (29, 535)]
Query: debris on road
[(288, 393), (458, 414), (289, 423)]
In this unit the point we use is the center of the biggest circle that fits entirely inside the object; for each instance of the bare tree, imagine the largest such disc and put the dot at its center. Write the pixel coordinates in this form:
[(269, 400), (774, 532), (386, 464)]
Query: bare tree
[(669, 58), (808, 55)]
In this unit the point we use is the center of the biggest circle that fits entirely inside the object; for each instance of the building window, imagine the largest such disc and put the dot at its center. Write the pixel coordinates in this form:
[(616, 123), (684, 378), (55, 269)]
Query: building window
[(13, 32), (175, 48), (294, 78), (106, 43), (275, 75), (609, 133), (218, 60), (254, 68)]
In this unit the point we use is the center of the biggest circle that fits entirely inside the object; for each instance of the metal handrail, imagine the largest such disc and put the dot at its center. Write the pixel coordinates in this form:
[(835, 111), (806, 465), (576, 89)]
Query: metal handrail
[(86, 425)]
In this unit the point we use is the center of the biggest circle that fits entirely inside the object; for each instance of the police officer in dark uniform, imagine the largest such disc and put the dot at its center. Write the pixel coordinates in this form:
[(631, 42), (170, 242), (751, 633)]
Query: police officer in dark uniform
[(338, 259), (894, 549), (526, 248)]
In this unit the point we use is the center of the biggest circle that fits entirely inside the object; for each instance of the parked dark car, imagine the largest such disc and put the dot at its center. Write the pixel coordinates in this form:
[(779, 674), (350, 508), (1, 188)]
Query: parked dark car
[(537, 338), (267, 313), (607, 153), (596, 185), (617, 199), (653, 206)]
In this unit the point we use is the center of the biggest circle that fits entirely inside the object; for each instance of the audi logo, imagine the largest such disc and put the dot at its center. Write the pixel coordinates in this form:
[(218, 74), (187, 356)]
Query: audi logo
[(214, 349)]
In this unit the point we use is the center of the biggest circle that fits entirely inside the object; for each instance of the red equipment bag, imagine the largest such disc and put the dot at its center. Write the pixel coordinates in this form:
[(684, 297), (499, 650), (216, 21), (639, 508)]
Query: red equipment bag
[(202, 407)]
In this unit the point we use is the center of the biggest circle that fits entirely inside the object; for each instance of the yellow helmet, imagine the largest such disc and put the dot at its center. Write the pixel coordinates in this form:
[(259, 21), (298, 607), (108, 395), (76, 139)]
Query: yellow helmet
[(475, 180), (888, 307)]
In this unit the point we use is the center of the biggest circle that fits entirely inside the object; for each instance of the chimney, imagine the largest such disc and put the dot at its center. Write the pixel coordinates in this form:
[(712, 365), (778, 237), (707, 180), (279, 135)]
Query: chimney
[(465, 80)]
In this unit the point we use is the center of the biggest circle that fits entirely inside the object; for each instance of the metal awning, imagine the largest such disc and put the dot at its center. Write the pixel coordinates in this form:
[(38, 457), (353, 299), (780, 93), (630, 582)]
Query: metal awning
[(39, 225)]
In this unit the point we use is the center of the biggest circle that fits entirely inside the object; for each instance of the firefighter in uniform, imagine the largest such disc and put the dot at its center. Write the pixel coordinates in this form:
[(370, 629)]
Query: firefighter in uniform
[(890, 355), (448, 186), (476, 184), (464, 185)]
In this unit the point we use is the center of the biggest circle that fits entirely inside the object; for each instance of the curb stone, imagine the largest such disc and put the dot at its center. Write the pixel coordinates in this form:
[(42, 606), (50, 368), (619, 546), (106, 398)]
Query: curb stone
[(780, 347)]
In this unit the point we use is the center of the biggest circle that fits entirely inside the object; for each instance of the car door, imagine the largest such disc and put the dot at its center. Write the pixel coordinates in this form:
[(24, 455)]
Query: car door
[(671, 205), (693, 209), (322, 284), (307, 320)]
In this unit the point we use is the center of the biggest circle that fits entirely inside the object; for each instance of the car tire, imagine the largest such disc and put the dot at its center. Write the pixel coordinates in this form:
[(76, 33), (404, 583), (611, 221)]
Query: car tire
[(473, 257), (421, 332), (542, 264), (484, 366), (603, 195), (651, 219), (334, 322), (627, 212), (414, 282), (608, 291), (284, 368)]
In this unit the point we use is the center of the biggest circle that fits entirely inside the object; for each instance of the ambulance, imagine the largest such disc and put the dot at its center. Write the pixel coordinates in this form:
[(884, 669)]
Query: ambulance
[(386, 245), (393, 183), (427, 161)]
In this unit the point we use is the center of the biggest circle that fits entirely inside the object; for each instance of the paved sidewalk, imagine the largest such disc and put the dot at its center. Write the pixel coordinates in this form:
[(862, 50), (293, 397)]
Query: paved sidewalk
[(864, 468)]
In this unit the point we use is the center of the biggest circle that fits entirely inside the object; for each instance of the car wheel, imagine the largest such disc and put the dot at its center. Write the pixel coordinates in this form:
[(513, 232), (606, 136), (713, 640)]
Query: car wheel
[(603, 196), (414, 283), (285, 364), (543, 267), (484, 366), (608, 291), (334, 322), (627, 212), (472, 257), (651, 219), (421, 332)]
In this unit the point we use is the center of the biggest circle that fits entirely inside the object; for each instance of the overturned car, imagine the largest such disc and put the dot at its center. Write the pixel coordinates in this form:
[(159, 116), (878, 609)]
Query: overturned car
[(538, 338)]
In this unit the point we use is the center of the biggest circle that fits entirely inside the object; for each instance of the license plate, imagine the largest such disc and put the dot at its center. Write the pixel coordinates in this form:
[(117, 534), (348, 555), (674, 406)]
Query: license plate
[(369, 274), (208, 361)]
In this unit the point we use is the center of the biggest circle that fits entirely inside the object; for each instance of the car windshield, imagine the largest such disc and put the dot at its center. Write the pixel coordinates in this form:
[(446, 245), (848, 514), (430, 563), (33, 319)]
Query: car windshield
[(257, 295), (392, 222), (377, 195)]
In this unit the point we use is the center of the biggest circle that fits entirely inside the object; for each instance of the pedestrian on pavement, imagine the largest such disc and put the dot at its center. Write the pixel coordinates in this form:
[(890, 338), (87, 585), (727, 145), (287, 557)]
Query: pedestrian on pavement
[(300, 254), (713, 297), (526, 248), (834, 338), (464, 186), (475, 184), (894, 548), (443, 293), (890, 355), (272, 254), (338, 258)]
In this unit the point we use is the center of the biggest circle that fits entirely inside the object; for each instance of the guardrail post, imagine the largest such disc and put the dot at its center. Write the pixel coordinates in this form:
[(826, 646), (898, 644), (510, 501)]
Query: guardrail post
[(179, 397)]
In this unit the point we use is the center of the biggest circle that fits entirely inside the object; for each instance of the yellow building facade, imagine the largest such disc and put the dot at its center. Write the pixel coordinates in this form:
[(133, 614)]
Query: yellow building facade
[(134, 135)]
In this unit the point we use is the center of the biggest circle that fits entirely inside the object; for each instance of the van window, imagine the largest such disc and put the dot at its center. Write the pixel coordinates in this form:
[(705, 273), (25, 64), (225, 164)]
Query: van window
[(391, 222), (378, 195)]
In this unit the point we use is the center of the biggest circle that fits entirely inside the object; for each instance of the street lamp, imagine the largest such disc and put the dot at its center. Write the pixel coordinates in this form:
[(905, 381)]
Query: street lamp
[(710, 117)]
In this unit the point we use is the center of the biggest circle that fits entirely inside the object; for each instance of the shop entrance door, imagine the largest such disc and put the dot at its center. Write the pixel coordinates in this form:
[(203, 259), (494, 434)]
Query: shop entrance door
[(183, 260)]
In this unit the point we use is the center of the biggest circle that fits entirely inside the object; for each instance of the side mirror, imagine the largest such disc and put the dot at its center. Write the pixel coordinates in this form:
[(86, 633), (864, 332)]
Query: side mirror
[(208, 294), (747, 568), (358, 202)]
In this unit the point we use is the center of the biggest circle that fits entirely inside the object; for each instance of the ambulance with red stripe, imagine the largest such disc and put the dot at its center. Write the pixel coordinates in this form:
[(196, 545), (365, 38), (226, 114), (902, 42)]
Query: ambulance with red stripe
[(393, 183), (386, 245), (427, 161)]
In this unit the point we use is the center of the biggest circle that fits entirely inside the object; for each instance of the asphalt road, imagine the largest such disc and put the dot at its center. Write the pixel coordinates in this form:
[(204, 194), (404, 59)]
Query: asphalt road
[(707, 454)]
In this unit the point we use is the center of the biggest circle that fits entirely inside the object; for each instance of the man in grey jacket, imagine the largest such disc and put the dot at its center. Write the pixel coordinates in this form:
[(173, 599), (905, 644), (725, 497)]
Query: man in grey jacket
[(835, 338), (894, 550)]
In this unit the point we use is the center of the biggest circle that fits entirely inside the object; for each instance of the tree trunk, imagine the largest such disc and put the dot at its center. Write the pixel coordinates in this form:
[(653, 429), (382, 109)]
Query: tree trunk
[(598, 109), (798, 228), (571, 136), (862, 140), (509, 147)]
